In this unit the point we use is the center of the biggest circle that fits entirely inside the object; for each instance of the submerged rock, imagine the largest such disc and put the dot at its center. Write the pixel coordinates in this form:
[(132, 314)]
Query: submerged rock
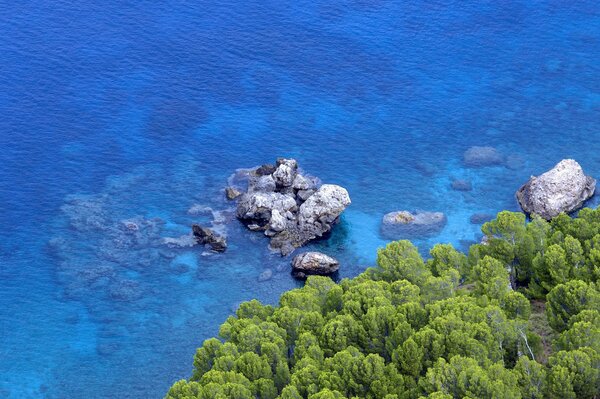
[(206, 236), (310, 263), (564, 188), (289, 206), (187, 240), (265, 276), (480, 218), (477, 156), (404, 224), (461, 185)]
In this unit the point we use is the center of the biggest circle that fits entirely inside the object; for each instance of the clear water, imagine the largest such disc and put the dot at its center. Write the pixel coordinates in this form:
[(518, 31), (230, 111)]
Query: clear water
[(132, 110)]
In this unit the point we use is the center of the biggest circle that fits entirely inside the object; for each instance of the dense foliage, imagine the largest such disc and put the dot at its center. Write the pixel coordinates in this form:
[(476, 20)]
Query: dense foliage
[(454, 326)]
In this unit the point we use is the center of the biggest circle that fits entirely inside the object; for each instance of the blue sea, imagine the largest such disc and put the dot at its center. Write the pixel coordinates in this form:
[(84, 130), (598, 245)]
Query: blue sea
[(121, 112)]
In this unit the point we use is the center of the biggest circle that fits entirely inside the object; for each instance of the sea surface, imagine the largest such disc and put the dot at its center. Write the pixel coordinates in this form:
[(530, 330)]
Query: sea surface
[(120, 122)]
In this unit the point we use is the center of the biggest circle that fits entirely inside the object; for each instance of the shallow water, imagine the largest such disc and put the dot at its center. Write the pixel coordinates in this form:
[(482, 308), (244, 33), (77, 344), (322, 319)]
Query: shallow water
[(138, 112)]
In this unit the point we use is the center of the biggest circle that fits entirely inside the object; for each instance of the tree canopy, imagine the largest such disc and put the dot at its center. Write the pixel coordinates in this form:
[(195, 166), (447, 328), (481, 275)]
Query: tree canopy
[(452, 326)]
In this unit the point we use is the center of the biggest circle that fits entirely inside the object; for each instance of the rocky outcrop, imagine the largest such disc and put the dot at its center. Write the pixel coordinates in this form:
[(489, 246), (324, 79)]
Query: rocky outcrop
[(310, 263), (287, 205), (205, 236), (564, 188), (405, 224), (478, 156)]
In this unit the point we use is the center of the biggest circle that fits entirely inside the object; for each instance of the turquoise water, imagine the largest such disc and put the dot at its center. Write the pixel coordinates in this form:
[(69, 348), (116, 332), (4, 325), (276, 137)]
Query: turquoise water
[(137, 111)]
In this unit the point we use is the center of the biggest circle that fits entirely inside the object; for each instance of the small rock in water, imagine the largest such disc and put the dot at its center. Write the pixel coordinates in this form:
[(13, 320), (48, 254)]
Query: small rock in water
[(480, 218), (310, 263), (204, 235), (564, 188), (462, 185), (477, 156), (232, 193), (404, 224)]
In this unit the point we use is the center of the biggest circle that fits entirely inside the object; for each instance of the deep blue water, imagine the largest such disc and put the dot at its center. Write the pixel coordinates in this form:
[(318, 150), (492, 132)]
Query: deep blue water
[(112, 111)]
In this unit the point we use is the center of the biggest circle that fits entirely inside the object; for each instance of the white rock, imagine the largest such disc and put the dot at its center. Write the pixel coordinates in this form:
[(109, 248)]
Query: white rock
[(563, 188)]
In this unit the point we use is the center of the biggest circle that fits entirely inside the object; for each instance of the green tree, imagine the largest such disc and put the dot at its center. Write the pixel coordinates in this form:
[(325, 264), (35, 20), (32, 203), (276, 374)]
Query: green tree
[(399, 260), (574, 374), (567, 300)]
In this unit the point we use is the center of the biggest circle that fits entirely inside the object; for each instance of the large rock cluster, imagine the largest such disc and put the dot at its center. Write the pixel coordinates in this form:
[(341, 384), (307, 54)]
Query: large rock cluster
[(564, 188), (290, 207)]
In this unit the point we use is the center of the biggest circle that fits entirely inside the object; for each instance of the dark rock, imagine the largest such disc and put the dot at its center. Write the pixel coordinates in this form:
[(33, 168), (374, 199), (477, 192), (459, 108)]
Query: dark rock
[(310, 263), (404, 224), (564, 188), (480, 218), (232, 193), (462, 185), (482, 156), (206, 236), (264, 170)]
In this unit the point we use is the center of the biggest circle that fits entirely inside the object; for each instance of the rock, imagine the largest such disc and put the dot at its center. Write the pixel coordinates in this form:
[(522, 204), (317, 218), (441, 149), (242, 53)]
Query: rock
[(278, 222), (266, 275), (480, 218), (425, 168), (304, 194), (262, 184), (204, 236), (303, 183), (482, 156), (285, 174), (129, 226), (514, 162), (310, 263), (324, 206), (264, 170), (404, 224), (125, 290), (564, 188), (257, 206), (232, 193), (289, 206), (462, 185)]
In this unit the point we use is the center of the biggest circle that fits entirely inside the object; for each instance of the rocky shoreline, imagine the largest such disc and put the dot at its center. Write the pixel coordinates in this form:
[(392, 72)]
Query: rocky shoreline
[(293, 208)]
